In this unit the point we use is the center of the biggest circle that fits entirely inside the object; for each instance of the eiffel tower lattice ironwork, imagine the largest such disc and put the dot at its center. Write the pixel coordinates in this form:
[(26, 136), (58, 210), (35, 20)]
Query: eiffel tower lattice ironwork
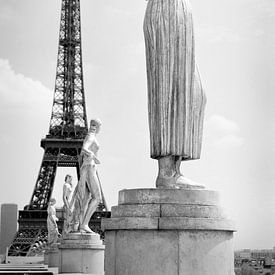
[(62, 145)]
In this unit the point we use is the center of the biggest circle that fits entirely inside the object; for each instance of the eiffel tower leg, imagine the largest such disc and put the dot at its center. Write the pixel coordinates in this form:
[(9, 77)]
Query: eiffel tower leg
[(44, 185)]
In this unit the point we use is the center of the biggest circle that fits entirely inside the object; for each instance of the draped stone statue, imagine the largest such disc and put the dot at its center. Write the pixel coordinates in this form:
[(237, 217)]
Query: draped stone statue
[(53, 233), (87, 194), (67, 190), (176, 99)]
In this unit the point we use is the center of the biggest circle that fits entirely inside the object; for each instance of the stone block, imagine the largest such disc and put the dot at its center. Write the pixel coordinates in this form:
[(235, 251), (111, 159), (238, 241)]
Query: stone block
[(129, 223), (75, 260), (51, 256), (137, 210), (169, 252), (110, 258), (170, 196), (84, 253), (182, 223), (206, 253), (192, 211), (144, 253), (83, 237), (168, 232)]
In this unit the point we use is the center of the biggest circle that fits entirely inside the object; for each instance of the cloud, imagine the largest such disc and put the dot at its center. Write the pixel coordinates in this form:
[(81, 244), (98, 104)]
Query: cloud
[(91, 68), (253, 20), (118, 11), (229, 141), (6, 15), (222, 132), (25, 104), (266, 7), (222, 124), (17, 89), (217, 34), (135, 49)]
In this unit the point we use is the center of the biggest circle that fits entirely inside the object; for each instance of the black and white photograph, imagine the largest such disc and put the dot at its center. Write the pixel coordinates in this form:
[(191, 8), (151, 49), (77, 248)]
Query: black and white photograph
[(137, 137)]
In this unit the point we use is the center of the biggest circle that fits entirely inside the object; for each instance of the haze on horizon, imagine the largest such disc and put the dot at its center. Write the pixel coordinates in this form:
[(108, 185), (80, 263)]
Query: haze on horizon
[(235, 52)]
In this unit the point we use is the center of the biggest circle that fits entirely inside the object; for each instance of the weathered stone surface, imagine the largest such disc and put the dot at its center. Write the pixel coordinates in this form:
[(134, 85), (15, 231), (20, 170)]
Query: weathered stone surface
[(82, 261), (187, 236), (129, 223), (86, 237), (144, 252), (171, 196), (181, 223), (83, 240), (176, 98), (110, 258), (81, 246), (167, 210), (137, 210), (206, 253), (84, 253), (52, 257), (169, 252), (167, 223), (192, 211)]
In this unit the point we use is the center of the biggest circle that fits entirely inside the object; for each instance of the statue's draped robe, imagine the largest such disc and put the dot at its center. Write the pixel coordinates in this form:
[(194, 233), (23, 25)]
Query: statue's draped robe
[(175, 96), (52, 230), (67, 189)]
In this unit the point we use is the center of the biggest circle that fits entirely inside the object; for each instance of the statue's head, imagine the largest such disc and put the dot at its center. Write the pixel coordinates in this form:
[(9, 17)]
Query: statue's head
[(68, 178), (52, 201), (95, 124)]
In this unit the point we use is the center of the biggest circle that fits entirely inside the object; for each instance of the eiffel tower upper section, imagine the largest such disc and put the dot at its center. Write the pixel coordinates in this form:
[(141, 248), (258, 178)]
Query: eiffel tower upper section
[(68, 119), (68, 123)]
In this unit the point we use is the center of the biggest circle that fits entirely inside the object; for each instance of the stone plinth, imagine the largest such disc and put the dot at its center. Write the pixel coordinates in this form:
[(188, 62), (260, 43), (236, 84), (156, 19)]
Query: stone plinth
[(168, 232), (81, 253), (51, 256)]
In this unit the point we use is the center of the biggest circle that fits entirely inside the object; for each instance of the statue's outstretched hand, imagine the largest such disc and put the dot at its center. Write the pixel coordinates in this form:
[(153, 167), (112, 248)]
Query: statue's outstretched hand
[(94, 157), (91, 154), (96, 160)]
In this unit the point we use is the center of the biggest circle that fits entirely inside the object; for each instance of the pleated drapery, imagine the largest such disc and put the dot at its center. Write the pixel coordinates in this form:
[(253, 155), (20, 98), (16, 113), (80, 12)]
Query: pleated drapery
[(176, 99)]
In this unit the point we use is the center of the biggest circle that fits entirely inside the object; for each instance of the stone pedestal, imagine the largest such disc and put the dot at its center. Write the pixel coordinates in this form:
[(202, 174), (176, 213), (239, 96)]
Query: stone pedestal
[(168, 232), (81, 253), (51, 256)]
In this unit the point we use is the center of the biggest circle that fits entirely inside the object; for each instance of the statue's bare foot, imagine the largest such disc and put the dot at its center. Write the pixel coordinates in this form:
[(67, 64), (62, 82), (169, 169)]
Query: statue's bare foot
[(86, 229), (166, 182), (75, 227), (177, 181), (183, 182)]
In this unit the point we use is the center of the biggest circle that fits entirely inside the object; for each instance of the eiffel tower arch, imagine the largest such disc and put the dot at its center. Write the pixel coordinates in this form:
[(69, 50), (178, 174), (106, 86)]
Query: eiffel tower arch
[(62, 144)]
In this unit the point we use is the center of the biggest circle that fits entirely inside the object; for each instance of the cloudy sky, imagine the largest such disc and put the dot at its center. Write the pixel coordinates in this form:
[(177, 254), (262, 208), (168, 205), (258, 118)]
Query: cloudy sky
[(235, 51)]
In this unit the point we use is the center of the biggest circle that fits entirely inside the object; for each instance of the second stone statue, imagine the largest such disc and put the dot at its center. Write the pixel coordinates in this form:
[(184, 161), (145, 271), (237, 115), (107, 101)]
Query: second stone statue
[(176, 99), (87, 194)]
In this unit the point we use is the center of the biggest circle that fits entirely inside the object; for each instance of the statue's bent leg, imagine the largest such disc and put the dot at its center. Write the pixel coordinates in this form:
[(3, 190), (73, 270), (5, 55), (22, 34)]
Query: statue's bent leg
[(93, 187)]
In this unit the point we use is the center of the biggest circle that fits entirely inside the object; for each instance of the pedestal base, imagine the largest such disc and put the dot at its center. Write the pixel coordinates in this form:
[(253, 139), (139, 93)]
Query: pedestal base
[(81, 253), (168, 232), (51, 256)]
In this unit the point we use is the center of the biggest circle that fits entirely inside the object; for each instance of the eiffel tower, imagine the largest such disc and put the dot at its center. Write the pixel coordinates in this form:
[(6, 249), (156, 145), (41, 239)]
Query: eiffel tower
[(62, 145)]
